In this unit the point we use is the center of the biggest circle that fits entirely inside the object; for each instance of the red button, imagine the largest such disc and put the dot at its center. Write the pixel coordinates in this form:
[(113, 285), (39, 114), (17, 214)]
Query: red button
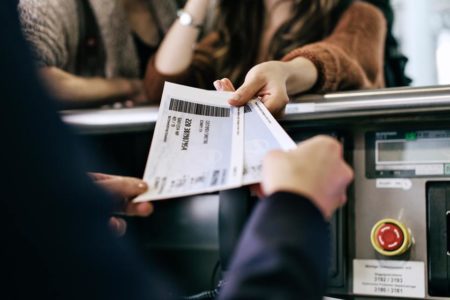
[(390, 237)]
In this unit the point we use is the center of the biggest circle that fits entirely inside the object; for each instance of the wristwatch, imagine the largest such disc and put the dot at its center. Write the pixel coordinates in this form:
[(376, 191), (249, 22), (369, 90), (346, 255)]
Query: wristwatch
[(186, 19)]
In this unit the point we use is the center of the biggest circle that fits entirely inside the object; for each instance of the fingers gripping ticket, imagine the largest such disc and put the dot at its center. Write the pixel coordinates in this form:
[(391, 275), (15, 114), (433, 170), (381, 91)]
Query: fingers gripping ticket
[(202, 144)]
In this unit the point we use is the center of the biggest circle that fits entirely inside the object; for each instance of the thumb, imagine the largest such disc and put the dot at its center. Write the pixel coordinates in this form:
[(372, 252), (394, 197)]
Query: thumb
[(246, 91), (125, 187)]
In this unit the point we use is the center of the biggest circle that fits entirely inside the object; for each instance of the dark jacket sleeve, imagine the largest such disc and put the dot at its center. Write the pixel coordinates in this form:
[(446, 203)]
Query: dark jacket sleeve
[(55, 242), (283, 252)]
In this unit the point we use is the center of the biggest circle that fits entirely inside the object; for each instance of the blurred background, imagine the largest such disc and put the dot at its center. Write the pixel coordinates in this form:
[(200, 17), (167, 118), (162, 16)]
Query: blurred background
[(422, 28)]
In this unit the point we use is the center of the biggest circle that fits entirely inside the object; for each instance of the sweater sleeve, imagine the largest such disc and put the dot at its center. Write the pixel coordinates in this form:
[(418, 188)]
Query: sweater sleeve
[(45, 26), (200, 73), (352, 57), (283, 253)]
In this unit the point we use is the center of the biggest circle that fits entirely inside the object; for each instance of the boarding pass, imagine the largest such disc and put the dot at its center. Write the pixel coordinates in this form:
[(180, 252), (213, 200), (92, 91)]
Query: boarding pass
[(201, 144)]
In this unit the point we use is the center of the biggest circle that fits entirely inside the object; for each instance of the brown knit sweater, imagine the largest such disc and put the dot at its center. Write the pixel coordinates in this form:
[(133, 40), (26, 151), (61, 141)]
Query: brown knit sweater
[(350, 58)]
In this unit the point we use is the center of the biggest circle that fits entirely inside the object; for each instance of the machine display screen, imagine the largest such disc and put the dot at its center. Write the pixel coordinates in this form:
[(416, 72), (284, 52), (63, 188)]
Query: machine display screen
[(408, 153), (418, 151)]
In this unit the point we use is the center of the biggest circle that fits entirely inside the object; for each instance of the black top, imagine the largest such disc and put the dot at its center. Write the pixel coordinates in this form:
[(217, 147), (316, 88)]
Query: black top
[(144, 52)]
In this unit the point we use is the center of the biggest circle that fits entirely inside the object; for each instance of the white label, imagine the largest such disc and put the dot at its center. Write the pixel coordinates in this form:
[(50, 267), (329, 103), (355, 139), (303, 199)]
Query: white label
[(430, 169), (389, 278), (394, 183)]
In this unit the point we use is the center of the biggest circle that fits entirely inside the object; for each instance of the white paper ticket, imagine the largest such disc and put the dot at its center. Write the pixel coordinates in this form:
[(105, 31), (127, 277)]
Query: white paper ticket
[(197, 146), (201, 144), (262, 133)]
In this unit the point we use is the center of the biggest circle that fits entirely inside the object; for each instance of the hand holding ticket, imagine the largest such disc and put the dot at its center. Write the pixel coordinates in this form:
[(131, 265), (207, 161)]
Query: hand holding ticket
[(202, 144)]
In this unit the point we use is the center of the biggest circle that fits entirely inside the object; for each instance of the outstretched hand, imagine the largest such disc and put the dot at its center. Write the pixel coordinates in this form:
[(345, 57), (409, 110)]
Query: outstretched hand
[(267, 81), (124, 189), (315, 169), (273, 81)]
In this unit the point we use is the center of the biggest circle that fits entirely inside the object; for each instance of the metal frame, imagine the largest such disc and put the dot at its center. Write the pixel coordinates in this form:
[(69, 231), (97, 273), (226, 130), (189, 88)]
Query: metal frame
[(329, 106)]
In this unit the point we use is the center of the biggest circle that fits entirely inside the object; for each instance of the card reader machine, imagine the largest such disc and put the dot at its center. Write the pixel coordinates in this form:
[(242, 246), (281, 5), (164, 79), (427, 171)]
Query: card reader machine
[(421, 154), (391, 240), (402, 206)]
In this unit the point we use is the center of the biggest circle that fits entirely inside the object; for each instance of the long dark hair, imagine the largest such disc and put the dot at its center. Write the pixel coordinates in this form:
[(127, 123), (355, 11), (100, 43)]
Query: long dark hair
[(240, 25)]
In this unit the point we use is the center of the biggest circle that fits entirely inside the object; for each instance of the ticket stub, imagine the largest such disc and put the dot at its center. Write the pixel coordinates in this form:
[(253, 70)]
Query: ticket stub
[(197, 145), (262, 133)]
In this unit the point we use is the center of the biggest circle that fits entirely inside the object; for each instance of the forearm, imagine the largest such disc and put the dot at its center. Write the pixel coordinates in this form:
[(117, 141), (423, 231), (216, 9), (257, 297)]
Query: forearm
[(352, 56), (71, 88), (176, 51)]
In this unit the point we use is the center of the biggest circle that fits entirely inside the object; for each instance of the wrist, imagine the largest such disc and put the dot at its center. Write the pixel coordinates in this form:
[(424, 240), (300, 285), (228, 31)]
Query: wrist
[(135, 86), (126, 87), (197, 9), (302, 75), (302, 188), (325, 210), (186, 19), (295, 200)]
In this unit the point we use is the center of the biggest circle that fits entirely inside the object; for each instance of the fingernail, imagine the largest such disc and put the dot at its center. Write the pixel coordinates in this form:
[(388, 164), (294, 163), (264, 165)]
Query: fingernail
[(142, 185), (146, 209), (235, 98), (218, 85)]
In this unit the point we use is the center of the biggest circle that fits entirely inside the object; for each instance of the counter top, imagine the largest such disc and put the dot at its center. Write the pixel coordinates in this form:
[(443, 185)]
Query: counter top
[(312, 107)]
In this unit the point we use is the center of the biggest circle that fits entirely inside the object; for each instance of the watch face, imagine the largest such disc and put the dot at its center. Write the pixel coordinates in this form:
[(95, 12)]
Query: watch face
[(185, 19)]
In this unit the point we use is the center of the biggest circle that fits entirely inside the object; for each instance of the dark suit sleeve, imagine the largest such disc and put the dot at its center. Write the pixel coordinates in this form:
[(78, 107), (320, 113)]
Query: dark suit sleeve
[(283, 252), (55, 242)]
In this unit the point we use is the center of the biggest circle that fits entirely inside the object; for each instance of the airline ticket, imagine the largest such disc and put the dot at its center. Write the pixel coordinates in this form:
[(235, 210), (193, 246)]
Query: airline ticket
[(201, 144)]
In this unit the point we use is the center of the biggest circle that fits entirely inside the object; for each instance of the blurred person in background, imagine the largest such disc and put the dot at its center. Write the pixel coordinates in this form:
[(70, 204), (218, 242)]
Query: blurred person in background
[(282, 47), (93, 52)]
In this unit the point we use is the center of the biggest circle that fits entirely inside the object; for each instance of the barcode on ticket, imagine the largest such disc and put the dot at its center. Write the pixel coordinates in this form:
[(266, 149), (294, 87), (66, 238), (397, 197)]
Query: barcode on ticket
[(198, 109)]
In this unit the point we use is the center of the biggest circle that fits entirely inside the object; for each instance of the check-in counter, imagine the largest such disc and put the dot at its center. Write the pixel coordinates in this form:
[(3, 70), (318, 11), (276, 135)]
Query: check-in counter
[(381, 102), (392, 238)]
